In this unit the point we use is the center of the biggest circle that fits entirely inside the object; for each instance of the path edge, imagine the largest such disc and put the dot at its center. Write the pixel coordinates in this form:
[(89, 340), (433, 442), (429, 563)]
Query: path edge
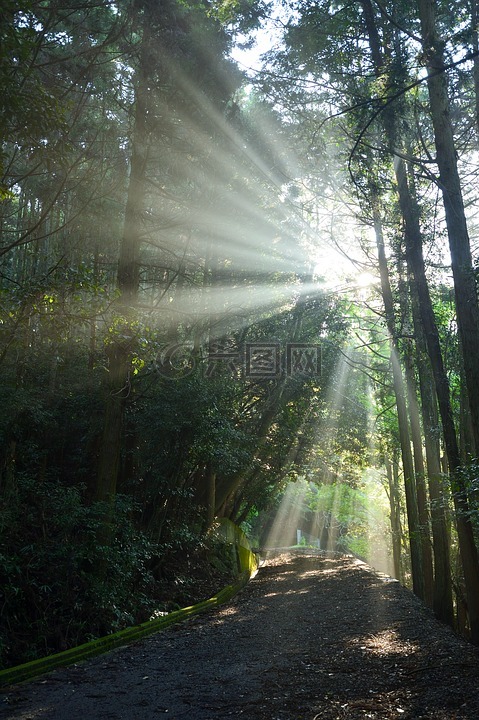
[(248, 564)]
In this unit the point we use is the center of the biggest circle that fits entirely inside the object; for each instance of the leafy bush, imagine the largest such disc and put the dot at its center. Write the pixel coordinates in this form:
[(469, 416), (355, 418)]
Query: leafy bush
[(58, 585)]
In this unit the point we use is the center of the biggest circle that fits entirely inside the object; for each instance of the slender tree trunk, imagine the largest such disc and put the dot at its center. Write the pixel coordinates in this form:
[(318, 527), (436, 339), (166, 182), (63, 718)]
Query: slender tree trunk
[(395, 519), (413, 238), (123, 332), (467, 307), (423, 307), (442, 598), (409, 479), (466, 537), (419, 585), (93, 338), (475, 48), (422, 500), (464, 527), (466, 301), (416, 436), (466, 434), (407, 459)]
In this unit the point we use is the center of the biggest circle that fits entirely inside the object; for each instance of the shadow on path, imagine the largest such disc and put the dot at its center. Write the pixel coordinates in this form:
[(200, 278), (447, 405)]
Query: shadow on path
[(309, 638)]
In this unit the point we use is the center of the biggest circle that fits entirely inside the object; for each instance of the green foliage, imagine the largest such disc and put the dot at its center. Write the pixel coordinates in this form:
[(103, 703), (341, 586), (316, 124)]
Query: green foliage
[(29, 109), (53, 595), (243, 15)]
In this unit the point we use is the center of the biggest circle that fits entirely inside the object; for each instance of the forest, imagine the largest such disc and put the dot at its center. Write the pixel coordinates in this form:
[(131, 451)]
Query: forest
[(234, 288)]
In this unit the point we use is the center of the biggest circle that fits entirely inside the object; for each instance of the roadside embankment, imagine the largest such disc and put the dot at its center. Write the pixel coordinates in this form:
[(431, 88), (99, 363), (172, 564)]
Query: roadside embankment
[(233, 544)]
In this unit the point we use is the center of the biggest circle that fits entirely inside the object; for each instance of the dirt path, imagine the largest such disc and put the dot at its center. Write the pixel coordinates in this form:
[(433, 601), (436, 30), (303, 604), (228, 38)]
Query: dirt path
[(308, 638)]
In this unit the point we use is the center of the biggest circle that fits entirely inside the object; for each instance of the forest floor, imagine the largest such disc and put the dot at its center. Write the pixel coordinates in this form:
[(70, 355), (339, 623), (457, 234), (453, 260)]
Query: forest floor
[(309, 638)]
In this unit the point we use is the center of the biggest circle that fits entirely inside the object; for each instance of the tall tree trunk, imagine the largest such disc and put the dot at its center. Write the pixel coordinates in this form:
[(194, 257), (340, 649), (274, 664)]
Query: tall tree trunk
[(464, 527), (406, 454), (123, 332), (395, 519), (416, 436), (442, 598), (422, 500), (409, 476), (413, 238), (423, 307), (467, 449), (467, 307), (475, 49)]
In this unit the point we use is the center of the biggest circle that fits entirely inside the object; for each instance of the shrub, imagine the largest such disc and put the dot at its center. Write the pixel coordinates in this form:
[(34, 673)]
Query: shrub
[(52, 592)]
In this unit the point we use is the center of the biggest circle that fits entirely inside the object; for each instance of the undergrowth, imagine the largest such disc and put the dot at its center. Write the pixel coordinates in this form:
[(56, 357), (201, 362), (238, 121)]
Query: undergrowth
[(60, 587)]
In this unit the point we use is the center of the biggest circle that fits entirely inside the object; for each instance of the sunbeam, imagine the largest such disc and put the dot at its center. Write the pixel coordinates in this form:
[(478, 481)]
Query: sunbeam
[(283, 531), (341, 505)]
